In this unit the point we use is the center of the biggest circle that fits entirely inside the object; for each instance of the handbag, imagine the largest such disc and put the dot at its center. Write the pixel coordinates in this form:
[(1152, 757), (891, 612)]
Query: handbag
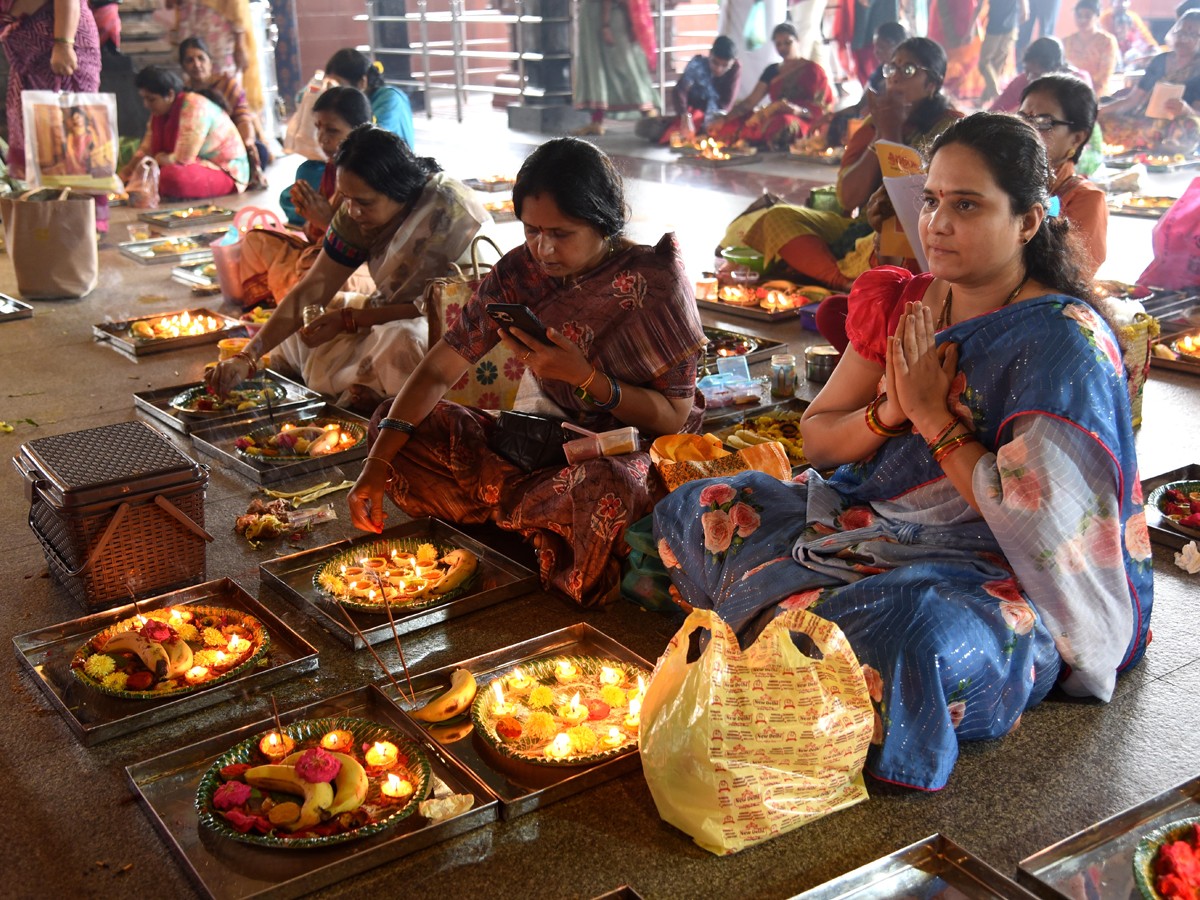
[(740, 745), (51, 240), (529, 442), (1176, 264)]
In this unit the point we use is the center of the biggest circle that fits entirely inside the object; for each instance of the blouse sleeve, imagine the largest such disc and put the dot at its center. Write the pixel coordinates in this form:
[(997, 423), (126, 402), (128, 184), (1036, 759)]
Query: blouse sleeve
[(1087, 209), (193, 129), (1048, 495), (873, 301), (345, 243)]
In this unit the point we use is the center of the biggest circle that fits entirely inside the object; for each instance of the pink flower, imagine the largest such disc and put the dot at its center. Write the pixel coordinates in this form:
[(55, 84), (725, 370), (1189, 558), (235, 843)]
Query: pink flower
[(667, 555), (874, 682), (230, 795), (856, 517), (1137, 489), (1004, 590), (957, 711), (1023, 488), (1137, 537), (514, 368), (1083, 315), (1103, 542), (317, 765), (1019, 616), (155, 630), (801, 601), (717, 494), (718, 531), (1070, 556), (1014, 454), (1112, 351), (745, 518)]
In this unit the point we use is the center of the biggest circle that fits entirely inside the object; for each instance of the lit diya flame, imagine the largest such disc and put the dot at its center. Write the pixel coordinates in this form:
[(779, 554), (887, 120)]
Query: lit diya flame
[(635, 713), (499, 706), (609, 675), (220, 657), (175, 618), (565, 670), (196, 674), (1113, 149), (338, 740), (639, 691), (614, 738), (235, 644), (518, 680), (560, 747), (1189, 344), (712, 149), (141, 620), (276, 746), (396, 788), (573, 712), (382, 754), (183, 325)]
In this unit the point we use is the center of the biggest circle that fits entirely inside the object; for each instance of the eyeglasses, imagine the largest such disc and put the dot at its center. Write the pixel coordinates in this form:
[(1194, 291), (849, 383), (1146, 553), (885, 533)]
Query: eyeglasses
[(1044, 122), (908, 70)]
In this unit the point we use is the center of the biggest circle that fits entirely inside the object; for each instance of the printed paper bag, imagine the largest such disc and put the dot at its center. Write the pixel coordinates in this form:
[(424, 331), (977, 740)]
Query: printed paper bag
[(904, 178), (740, 746), (52, 243), (71, 140), (1176, 240), (681, 458)]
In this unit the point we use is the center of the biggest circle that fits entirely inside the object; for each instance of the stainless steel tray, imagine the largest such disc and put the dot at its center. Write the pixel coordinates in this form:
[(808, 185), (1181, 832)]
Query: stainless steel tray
[(703, 162), (765, 346), (524, 787), (192, 274), (751, 312), (144, 252), (219, 442), (1098, 861), (1127, 205), (934, 867), (724, 418), (12, 308), (166, 787), (156, 404), (94, 716), (1160, 533), (1189, 364), (490, 186), (117, 335), (498, 578), (201, 214)]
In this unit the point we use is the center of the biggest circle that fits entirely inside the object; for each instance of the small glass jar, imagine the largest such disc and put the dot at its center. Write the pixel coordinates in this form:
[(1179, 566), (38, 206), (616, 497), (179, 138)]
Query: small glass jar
[(783, 375), (310, 314)]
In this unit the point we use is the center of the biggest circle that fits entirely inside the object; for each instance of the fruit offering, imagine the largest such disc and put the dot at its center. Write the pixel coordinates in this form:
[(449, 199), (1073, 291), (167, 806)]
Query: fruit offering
[(403, 573), (1177, 866), (562, 711), (301, 440), (1181, 504), (171, 651), (182, 324), (782, 426), (248, 395), (290, 790)]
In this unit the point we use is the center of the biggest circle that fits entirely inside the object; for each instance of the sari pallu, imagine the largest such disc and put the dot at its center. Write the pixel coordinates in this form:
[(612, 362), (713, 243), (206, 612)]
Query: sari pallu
[(803, 83), (961, 621)]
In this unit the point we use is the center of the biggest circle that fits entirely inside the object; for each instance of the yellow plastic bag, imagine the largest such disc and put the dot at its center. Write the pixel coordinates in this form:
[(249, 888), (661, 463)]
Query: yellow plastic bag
[(740, 746), (681, 458)]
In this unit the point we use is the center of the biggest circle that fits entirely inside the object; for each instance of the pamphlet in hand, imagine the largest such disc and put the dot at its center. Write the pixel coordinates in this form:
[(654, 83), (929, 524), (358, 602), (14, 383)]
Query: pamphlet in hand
[(904, 177), (1163, 92)]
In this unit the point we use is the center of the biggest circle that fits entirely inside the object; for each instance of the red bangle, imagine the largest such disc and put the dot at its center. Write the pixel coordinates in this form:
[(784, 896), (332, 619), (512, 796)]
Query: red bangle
[(348, 323)]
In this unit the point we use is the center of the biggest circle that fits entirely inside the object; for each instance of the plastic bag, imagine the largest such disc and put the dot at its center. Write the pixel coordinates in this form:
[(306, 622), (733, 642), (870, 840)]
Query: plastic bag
[(227, 252), (301, 134), (143, 184), (740, 746), (1176, 264)]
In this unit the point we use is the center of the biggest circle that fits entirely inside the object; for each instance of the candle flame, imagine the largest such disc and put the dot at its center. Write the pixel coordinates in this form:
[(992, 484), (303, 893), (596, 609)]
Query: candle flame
[(234, 643), (635, 706), (614, 734), (498, 691), (575, 701)]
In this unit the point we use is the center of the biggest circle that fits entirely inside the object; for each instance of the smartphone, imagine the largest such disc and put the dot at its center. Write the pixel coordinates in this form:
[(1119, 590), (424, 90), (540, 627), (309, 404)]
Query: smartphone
[(517, 315)]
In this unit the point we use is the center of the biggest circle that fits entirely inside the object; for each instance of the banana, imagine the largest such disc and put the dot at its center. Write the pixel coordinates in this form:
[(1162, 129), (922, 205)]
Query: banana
[(449, 704), (448, 734), (179, 657), (462, 566), (349, 785), (152, 654), (276, 777)]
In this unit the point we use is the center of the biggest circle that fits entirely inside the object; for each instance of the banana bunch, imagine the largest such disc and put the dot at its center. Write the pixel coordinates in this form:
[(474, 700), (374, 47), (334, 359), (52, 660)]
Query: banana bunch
[(452, 702), (165, 660), (743, 439), (463, 564), (321, 799)]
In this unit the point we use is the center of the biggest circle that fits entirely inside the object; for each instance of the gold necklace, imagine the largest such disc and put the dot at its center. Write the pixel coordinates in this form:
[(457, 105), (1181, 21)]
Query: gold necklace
[(947, 304)]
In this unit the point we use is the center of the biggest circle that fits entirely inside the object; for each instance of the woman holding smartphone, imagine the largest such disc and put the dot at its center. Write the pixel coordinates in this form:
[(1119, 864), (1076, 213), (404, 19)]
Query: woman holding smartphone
[(623, 346)]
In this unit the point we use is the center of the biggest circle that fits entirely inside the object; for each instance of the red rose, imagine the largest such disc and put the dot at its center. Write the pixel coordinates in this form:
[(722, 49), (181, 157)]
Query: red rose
[(1137, 537), (957, 711), (597, 710), (667, 555), (154, 630), (856, 517), (717, 494), (231, 794), (1018, 615)]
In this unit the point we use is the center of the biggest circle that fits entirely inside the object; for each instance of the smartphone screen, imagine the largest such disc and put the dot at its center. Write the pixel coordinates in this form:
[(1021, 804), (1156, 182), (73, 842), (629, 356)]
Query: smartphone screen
[(517, 315)]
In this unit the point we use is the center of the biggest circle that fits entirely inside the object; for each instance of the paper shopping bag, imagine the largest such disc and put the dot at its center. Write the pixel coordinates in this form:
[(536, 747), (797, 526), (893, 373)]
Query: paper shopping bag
[(51, 238), (740, 746), (71, 140)]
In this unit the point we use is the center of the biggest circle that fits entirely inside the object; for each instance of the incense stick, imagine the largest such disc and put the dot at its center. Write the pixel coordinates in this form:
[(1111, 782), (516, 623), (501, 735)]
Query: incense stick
[(358, 631), (275, 714), (396, 637)]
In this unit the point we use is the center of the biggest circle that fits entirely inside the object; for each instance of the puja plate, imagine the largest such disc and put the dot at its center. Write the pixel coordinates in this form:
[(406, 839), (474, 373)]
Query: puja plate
[(736, 343), (497, 578), (186, 216), (751, 312), (156, 404), (1154, 162), (789, 410), (1162, 531), (120, 337), (197, 274), (12, 308), (1146, 854), (522, 786), (1184, 362), (934, 867), (94, 716), (166, 787), (1175, 311), (1098, 861), (501, 210), (822, 158), (1140, 206), (178, 250), (220, 442), (491, 185), (692, 158)]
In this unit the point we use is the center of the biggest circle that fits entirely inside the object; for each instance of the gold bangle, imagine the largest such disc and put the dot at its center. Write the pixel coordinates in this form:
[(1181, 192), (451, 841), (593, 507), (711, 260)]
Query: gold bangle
[(251, 360), (393, 477), (587, 383), (871, 414), (943, 434), (950, 446), (70, 42)]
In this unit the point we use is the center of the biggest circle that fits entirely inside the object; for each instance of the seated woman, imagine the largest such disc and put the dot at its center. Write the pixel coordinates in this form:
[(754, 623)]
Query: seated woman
[(199, 151), (815, 245), (705, 90), (196, 61), (622, 347), (1125, 121), (272, 262), (390, 106), (799, 92), (983, 537), (1091, 48), (1045, 56), (407, 221), (1063, 111)]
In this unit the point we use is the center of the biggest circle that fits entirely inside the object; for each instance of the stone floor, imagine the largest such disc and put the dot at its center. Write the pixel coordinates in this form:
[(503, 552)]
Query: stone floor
[(73, 827)]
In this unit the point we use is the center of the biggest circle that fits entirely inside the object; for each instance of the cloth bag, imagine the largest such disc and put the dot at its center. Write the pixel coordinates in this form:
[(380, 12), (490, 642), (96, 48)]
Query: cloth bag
[(51, 239), (739, 746), (143, 184), (1176, 264), (681, 458), (301, 134), (530, 442)]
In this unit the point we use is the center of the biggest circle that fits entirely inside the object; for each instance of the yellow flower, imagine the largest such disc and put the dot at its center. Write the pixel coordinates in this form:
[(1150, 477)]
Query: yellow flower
[(583, 739), (541, 697), (540, 726), (99, 665), (612, 695), (115, 680), (214, 638), (427, 553), (188, 632)]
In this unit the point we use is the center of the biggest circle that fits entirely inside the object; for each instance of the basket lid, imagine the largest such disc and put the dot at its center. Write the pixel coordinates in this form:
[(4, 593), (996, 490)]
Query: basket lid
[(109, 461)]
